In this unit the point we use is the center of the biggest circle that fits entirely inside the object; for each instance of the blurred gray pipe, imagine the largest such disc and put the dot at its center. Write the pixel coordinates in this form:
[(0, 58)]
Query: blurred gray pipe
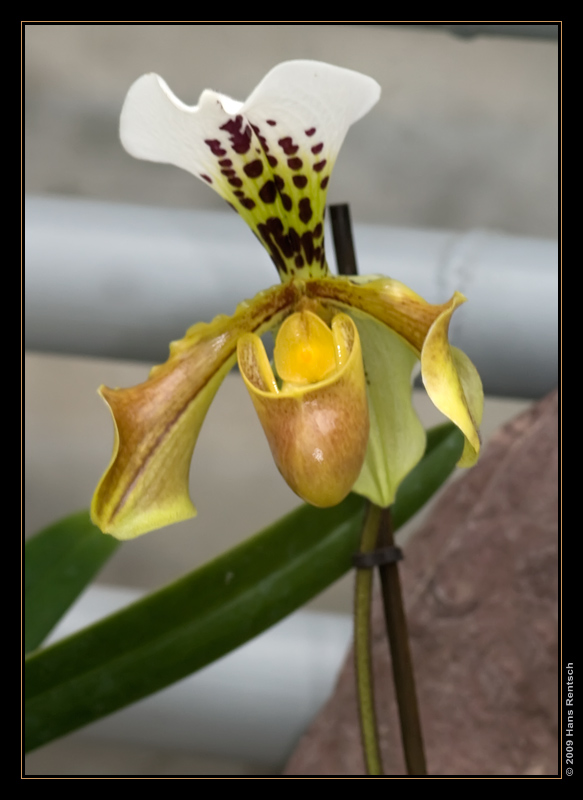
[(123, 281)]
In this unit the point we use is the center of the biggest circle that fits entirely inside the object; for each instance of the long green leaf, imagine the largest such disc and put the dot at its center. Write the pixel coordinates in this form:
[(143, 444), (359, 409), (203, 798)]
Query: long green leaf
[(59, 563), (194, 620)]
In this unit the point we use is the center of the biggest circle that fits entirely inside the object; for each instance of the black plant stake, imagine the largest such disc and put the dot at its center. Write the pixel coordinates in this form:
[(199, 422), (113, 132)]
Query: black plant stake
[(378, 549)]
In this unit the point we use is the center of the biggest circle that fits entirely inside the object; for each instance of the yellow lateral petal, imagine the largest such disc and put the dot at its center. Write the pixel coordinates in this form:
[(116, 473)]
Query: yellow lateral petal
[(158, 421), (453, 384), (318, 432), (474, 395)]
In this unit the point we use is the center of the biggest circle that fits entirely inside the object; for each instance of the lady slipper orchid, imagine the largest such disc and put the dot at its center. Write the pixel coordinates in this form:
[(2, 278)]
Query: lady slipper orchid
[(337, 410)]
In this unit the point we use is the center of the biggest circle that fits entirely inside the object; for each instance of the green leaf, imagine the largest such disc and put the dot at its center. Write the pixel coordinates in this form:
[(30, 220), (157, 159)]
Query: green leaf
[(199, 618), (59, 563)]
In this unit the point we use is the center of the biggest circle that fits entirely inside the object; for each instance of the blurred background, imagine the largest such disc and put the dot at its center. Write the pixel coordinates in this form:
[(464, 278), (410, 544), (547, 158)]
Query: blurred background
[(464, 139)]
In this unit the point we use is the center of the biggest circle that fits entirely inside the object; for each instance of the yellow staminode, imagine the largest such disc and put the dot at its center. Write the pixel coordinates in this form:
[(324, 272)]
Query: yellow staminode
[(305, 351)]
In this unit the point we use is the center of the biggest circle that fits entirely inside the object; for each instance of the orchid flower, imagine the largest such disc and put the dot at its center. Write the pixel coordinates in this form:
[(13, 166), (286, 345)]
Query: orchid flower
[(336, 403)]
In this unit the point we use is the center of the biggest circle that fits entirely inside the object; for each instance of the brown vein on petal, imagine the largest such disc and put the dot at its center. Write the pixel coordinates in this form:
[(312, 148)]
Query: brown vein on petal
[(406, 314), (162, 436), (273, 306)]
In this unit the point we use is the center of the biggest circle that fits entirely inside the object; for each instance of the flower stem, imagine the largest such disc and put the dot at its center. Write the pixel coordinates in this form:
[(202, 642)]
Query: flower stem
[(362, 646), (403, 677)]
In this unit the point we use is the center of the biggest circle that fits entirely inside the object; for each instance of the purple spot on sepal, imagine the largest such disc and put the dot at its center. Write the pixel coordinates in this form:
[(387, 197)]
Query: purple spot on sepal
[(320, 166), (287, 202), (271, 122), (253, 169), (240, 137), (285, 245), (206, 178), (317, 148), (317, 253), (228, 172), (299, 261), (275, 226), (295, 163), (272, 161), (300, 181), (288, 147), (262, 139), (215, 147), (225, 162), (308, 245), (310, 132), (266, 235), (324, 182), (305, 208), (279, 182), (318, 230), (248, 203), (295, 241), (239, 193), (236, 182), (268, 192)]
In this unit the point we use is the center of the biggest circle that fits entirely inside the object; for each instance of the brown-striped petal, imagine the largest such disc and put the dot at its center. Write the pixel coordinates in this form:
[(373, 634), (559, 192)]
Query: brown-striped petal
[(157, 422)]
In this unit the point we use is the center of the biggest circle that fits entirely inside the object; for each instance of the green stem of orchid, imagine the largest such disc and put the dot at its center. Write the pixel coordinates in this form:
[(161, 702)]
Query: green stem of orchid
[(397, 632), (362, 646)]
